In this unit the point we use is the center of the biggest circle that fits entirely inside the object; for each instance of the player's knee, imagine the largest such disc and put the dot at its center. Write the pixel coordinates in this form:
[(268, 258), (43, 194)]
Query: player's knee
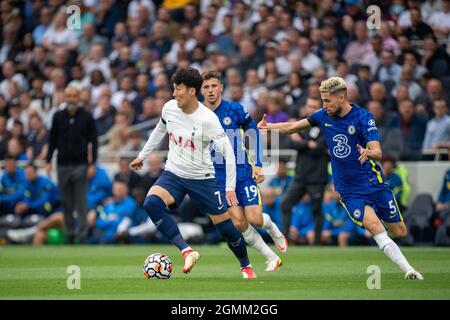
[(256, 221), (152, 203), (401, 232), (240, 224)]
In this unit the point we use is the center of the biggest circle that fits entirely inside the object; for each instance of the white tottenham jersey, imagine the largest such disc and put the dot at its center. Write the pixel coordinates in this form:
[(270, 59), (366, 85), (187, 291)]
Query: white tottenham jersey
[(190, 136)]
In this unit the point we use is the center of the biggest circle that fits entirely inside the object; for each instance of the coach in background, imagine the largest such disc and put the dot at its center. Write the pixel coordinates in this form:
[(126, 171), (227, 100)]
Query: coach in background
[(310, 173), (73, 130)]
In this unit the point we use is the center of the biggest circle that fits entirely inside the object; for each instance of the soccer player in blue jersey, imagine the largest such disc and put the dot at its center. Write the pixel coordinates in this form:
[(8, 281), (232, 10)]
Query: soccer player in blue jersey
[(236, 122), (354, 144)]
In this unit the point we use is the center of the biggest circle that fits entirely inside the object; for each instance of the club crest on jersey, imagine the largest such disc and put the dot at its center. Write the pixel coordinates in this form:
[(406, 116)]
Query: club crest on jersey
[(357, 213), (227, 121), (351, 129)]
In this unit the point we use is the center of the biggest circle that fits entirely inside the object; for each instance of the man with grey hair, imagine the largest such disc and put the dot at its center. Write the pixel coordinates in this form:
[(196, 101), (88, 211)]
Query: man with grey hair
[(358, 180)]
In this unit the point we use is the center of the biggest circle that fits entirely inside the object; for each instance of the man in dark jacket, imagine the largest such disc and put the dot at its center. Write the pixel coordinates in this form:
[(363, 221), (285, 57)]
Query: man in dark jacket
[(72, 132), (311, 171)]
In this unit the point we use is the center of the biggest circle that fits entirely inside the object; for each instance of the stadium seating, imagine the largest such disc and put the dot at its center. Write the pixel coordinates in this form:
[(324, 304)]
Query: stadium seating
[(419, 217)]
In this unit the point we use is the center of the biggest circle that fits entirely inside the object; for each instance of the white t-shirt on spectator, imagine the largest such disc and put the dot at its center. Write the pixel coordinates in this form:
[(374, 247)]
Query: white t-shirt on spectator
[(62, 37)]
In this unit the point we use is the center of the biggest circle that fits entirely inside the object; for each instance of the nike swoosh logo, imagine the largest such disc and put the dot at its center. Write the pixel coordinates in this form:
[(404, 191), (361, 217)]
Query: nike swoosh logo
[(251, 199), (328, 125), (158, 222), (220, 207)]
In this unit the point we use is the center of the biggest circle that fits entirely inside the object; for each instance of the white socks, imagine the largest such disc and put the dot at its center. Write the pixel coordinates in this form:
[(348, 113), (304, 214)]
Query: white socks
[(390, 248), (268, 224), (254, 239)]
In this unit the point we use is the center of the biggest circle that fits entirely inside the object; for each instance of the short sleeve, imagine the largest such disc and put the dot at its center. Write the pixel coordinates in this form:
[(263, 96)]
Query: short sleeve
[(315, 118), (369, 129), (243, 116)]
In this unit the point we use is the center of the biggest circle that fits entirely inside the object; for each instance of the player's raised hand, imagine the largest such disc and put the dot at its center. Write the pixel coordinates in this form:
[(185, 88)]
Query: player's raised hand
[(137, 164), (364, 156), (258, 174), (231, 198), (262, 125)]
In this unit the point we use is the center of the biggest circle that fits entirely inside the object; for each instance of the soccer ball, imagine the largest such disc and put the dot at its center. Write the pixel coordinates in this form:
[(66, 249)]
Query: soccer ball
[(157, 266)]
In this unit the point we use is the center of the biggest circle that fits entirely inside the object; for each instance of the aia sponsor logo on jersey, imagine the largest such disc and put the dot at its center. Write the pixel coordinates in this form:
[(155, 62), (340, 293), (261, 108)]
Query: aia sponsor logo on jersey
[(180, 143)]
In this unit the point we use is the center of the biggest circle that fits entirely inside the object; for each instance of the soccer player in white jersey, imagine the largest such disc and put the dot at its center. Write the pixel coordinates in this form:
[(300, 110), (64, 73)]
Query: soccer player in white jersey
[(192, 127)]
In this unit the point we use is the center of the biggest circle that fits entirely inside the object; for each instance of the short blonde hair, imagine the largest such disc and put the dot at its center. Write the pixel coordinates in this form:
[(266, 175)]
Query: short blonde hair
[(333, 85)]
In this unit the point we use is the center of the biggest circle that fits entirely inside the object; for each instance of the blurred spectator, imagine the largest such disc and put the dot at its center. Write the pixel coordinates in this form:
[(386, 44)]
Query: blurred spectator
[(407, 79), (130, 177), (435, 58), (440, 19), (412, 59), (99, 187), (126, 92), (433, 91), (360, 50), (273, 110), (104, 116), (58, 36), (106, 18), (437, 134), (418, 29), (155, 169), (388, 164), (37, 139), (10, 77), (40, 197), (443, 202), (247, 58), (45, 18), (391, 137), (310, 61), (301, 230), (388, 72), (111, 215), (413, 128), (4, 136), (134, 144), (88, 39), (336, 223), (10, 46), (15, 149), (378, 93), (12, 185), (281, 182)]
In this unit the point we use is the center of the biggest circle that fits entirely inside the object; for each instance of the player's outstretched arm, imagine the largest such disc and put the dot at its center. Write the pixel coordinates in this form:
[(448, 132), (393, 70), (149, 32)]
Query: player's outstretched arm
[(284, 127), (153, 141), (373, 151)]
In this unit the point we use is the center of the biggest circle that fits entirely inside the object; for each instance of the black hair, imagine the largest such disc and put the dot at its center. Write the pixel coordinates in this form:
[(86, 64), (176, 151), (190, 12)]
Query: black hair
[(389, 158), (190, 77), (31, 164)]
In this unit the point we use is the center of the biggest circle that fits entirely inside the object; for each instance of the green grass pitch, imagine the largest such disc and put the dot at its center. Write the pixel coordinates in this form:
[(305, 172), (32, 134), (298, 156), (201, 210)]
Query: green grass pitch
[(115, 272)]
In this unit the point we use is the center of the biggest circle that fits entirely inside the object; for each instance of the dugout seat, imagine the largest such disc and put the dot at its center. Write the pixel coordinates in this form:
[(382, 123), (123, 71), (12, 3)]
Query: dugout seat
[(418, 218), (443, 232)]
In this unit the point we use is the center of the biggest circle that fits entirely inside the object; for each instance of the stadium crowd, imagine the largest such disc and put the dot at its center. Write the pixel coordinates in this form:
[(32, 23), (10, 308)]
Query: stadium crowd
[(273, 55)]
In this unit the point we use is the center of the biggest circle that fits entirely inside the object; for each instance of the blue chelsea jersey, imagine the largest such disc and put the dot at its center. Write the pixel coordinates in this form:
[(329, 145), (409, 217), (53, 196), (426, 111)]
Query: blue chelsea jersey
[(342, 135), (237, 123)]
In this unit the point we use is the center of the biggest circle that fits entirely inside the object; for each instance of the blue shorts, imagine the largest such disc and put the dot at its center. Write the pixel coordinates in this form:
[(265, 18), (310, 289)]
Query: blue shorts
[(303, 231), (381, 201), (247, 190), (205, 194)]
